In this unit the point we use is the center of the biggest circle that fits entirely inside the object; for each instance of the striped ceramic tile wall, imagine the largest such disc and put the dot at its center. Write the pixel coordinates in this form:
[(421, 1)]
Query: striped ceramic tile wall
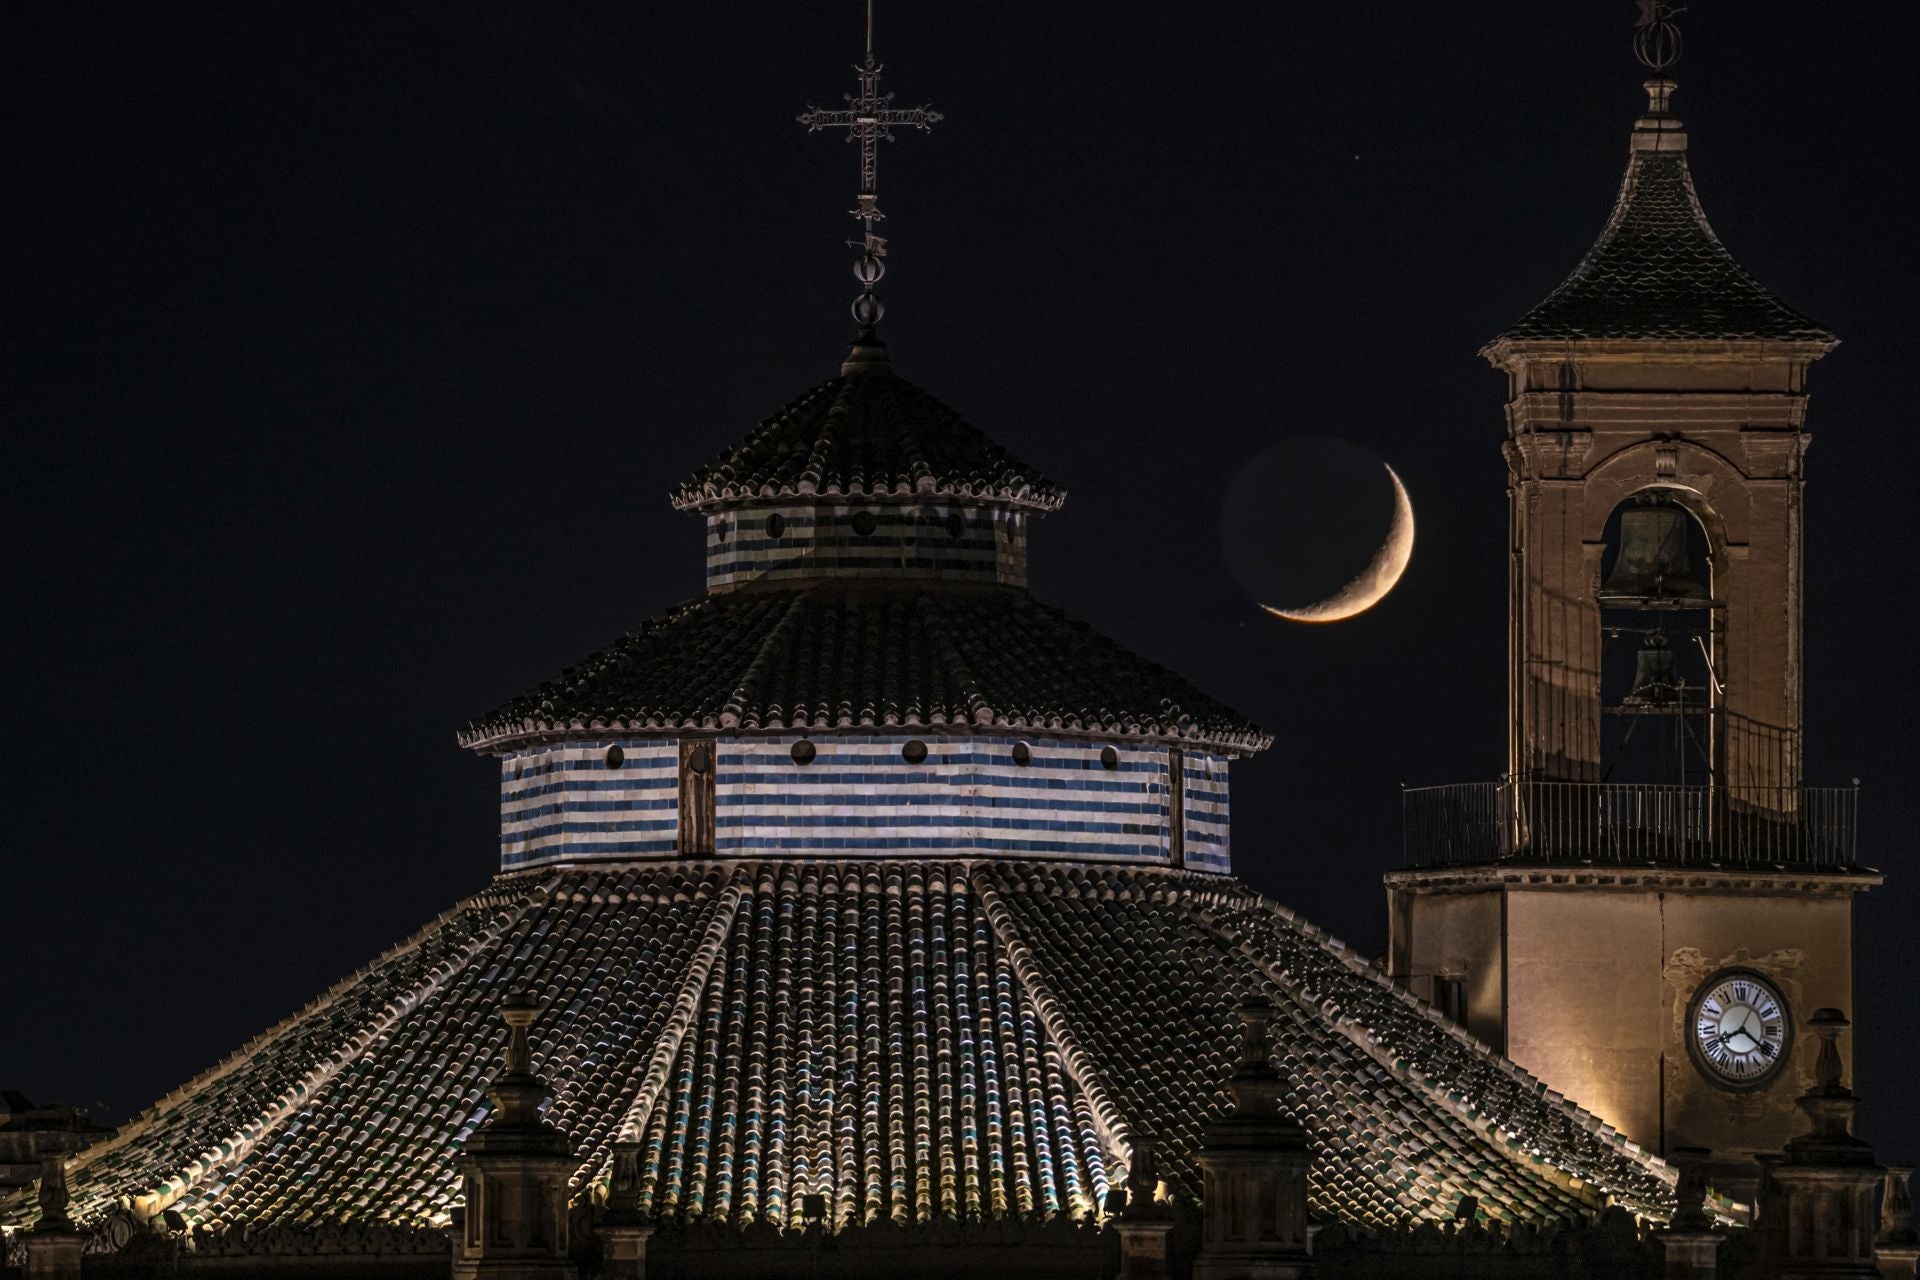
[(565, 802), (859, 797), (1207, 828), (968, 798), (820, 541)]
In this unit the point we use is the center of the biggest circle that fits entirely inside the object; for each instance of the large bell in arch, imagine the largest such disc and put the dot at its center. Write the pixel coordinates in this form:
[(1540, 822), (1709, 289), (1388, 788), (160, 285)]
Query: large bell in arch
[(1654, 570), (1656, 680)]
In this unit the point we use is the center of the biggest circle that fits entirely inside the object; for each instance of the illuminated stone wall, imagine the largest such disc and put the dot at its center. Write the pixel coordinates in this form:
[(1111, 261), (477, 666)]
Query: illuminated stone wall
[(1594, 970)]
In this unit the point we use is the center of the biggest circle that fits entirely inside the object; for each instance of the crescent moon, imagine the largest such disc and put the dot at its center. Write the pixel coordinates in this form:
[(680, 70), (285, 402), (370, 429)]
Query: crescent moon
[(1370, 587)]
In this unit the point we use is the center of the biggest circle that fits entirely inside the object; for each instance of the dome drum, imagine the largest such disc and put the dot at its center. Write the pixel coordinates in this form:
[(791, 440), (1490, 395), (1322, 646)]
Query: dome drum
[(794, 541), (863, 796)]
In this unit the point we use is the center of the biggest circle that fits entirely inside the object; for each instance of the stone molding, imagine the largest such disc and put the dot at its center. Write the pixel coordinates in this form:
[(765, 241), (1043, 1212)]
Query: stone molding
[(1831, 883)]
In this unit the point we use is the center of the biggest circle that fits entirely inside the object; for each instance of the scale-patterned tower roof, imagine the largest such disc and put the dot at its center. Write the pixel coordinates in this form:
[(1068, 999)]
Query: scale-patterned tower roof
[(1658, 271), (865, 875)]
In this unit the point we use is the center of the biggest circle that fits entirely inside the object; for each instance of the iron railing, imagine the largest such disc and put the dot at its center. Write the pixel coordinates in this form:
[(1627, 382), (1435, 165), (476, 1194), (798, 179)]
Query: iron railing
[(1609, 822)]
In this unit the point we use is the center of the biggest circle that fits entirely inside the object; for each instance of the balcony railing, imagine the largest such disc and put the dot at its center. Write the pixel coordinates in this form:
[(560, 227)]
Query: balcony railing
[(1608, 822)]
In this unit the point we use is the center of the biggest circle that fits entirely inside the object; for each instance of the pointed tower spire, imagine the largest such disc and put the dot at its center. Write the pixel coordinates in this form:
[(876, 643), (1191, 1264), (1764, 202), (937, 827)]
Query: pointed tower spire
[(1658, 271), (869, 119)]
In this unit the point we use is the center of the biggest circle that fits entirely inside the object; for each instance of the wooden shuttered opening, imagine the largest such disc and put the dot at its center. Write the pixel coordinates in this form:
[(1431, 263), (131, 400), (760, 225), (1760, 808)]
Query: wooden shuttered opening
[(1177, 806), (696, 796)]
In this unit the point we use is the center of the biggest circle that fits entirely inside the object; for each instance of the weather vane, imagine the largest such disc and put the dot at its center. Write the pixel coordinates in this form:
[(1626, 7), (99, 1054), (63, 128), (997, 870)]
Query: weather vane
[(869, 119), (1656, 39)]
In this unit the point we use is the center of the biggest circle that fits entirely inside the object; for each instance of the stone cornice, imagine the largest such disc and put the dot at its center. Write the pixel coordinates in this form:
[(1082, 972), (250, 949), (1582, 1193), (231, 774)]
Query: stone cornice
[(1829, 882), (1505, 353)]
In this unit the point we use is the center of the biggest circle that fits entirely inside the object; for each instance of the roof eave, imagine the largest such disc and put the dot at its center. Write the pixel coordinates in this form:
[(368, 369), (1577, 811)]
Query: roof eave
[(498, 738), (1507, 350), (712, 498)]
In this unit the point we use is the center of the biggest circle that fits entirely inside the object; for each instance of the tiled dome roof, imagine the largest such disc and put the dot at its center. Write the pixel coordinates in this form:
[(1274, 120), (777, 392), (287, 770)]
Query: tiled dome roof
[(852, 655), (913, 1041), (1659, 271), (867, 434)]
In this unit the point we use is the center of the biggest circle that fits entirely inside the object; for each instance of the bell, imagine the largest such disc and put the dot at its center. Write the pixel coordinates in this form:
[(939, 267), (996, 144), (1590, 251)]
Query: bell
[(1653, 571), (1656, 682)]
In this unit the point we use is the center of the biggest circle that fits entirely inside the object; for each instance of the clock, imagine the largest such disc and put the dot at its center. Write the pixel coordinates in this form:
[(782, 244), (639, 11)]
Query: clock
[(1738, 1029)]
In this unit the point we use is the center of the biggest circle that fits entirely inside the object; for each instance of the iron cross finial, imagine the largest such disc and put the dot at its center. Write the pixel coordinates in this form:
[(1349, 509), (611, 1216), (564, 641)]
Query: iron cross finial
[(869, 119)]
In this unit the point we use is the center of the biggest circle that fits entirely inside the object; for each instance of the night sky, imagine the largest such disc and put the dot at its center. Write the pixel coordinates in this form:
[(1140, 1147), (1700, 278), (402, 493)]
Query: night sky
[(350, 352)]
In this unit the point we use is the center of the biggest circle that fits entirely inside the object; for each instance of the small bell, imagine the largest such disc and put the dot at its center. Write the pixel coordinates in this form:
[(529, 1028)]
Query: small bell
[(1653, 570), (1656, 681)]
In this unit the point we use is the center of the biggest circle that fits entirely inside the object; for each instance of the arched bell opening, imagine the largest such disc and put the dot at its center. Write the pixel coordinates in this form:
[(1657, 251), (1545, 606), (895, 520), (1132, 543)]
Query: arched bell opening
[(1660, 640)]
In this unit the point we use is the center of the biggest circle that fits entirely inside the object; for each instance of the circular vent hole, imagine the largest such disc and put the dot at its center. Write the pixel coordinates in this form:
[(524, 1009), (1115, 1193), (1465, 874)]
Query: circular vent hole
[(1109, 758), (700, 759), (915, 752), (803, 752), (864, 523), (776, 525), (615, 757), (1022, 754), (956, 527)]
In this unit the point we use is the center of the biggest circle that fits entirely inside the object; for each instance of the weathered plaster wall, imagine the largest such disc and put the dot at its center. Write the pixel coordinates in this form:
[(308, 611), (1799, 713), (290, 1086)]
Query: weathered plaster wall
[(1805, 945), (1597, 981), (1585, 1001), (1452, 935)]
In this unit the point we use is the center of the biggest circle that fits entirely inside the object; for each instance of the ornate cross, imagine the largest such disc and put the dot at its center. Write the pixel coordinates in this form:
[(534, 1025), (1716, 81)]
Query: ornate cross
[(869, 119)]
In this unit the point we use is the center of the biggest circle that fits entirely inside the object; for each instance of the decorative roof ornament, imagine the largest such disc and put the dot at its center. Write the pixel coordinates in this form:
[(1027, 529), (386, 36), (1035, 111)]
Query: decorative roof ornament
[(1656, 37), (1658, 272), (53, 1194), (869, 119)]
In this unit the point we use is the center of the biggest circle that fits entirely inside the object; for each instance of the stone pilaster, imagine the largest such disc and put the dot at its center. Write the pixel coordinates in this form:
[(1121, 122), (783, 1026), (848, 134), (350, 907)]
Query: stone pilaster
[(516, 1168), (1144, 1222), (1255, 1161), (1826, 1185), (1690, 1246), (1897, 1248), (54, 1245), (624, 1231)]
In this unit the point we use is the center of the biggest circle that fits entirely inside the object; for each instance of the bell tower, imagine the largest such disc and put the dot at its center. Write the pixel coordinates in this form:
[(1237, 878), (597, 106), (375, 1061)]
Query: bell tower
[(1644, 905), (1656, 447)]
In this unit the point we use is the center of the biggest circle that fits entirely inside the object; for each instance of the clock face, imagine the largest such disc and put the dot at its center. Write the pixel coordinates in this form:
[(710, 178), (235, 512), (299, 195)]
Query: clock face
[(1738, 1029)]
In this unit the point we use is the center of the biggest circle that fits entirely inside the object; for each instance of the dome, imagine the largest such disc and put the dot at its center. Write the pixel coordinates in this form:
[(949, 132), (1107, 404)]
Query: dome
[(868, 881), (915, 1042), (867, 675)]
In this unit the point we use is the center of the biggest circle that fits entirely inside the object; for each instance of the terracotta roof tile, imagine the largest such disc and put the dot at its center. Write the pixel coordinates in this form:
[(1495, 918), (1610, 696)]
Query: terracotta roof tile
[(915, 1041), (871, 434), (860, 655), (1659, 271)]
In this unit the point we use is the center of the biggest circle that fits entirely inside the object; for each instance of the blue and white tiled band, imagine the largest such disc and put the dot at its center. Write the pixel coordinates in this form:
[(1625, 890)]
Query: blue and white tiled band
[(864, 796)]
